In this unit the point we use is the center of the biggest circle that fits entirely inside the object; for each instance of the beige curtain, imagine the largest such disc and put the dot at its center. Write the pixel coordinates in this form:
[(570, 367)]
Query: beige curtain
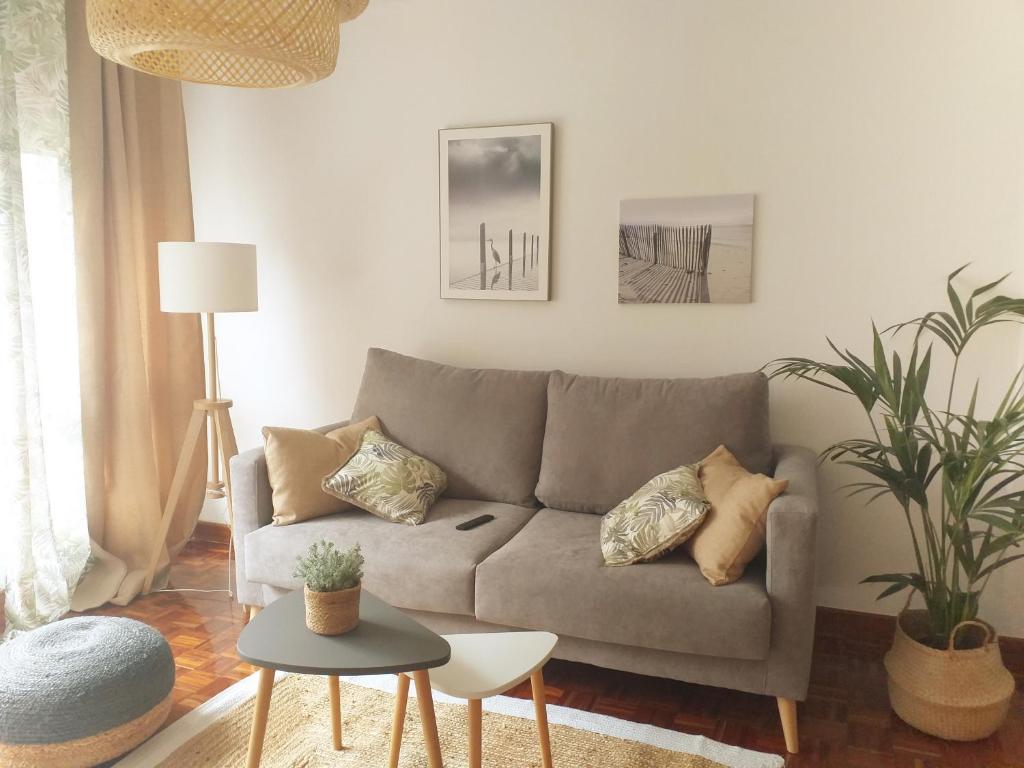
[(140, 368)]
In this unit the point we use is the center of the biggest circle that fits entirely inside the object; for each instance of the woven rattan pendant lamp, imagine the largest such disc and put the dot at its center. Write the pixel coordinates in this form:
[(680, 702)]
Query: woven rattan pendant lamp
[(245, 43)]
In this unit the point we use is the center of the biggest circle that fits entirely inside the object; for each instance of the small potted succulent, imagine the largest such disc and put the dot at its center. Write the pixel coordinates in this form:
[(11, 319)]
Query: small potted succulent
[(333, 580)]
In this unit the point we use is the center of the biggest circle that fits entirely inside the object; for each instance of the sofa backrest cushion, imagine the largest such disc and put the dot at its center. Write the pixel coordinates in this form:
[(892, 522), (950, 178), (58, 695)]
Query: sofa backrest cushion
[(483, 427), (606, 437)]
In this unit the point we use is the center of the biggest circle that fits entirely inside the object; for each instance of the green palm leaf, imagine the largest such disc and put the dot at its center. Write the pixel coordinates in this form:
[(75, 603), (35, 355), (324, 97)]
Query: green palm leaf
[(914, 445)]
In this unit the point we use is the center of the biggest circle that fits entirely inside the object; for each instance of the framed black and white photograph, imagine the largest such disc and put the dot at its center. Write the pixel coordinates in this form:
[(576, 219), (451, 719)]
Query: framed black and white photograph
[(686, 250), (495, 210)]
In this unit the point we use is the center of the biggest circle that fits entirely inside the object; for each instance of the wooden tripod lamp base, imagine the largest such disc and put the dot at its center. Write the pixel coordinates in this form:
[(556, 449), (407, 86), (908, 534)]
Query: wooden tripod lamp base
[(204, 278), (217, 412)]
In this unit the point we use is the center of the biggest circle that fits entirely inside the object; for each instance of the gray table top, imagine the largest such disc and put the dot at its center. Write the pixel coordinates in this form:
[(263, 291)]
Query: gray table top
[(385, 641)]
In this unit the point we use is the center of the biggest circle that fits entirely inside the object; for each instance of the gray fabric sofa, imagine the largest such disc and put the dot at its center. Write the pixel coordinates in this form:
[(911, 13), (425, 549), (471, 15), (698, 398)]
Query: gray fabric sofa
[(547, 453)]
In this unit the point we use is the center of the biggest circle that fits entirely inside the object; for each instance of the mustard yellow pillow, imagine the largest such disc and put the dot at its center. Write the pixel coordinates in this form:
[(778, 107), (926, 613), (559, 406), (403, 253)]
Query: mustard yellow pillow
[(297, 462), (734, 530)]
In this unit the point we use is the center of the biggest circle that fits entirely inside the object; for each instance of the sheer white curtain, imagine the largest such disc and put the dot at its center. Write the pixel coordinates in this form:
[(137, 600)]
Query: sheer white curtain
[(44, 540)]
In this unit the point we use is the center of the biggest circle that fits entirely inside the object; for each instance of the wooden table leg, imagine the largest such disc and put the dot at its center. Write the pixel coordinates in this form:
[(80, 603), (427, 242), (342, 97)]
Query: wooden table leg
[(259, 717), (540, 710), (475, 733), (398, 721), (425, 701), (335, 692)]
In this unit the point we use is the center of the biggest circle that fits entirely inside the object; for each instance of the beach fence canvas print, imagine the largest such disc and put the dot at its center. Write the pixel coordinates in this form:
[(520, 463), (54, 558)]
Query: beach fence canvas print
[(677, 250), (495, 211)]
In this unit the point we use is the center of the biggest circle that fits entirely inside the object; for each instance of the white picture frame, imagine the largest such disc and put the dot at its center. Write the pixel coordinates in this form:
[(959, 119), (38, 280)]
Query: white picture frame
[(495, 202)]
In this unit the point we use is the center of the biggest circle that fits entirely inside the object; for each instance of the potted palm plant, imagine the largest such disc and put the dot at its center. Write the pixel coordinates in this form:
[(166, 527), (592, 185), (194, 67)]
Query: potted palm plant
[(954, 475), (333, 582)]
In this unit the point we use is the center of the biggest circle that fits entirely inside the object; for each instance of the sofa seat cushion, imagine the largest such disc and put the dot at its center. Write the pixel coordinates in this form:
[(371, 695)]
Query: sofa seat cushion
[(483, 427), (426, 567), (606, 437), (551, 576)]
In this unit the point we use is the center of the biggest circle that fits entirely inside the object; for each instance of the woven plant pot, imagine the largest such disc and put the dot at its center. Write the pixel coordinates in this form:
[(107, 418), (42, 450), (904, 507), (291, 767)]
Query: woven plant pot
[(960, 695), (332, 613)]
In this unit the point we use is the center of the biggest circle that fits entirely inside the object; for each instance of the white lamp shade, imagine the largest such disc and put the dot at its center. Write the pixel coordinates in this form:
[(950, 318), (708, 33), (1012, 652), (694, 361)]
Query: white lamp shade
[(208, 277)]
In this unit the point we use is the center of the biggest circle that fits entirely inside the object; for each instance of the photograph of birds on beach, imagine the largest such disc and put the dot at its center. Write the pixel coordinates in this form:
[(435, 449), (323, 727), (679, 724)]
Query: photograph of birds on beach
[(686, 250), (495, 212)]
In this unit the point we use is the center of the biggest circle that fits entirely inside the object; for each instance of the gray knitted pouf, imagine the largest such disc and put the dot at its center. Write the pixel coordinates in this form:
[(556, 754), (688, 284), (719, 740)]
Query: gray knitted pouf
[(82, 691)]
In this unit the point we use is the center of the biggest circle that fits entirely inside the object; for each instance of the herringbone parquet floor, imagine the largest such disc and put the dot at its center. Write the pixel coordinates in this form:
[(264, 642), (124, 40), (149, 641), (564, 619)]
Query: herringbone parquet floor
[(845, 722)]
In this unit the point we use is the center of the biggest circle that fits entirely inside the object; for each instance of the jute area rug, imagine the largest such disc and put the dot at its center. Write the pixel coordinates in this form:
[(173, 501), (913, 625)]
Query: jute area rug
[(299, 734)]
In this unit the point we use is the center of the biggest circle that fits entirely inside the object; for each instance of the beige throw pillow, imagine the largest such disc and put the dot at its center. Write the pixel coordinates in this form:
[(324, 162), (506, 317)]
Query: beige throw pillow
[(734, 531), (297, 462), (658, 517)]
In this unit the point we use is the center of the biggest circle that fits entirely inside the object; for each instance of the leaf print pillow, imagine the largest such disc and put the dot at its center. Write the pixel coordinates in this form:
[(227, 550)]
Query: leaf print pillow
[(664, 513), (388, 480)]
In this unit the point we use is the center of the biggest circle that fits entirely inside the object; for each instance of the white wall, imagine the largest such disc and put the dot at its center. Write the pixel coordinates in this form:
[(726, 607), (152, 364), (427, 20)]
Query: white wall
[(883, 141)]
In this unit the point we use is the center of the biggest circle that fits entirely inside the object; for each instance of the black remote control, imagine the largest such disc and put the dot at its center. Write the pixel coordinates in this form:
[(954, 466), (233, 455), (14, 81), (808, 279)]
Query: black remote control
[(474, 522)]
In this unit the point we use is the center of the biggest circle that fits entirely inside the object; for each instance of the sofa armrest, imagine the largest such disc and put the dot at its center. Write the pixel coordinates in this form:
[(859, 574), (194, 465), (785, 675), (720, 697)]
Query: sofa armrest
[(791, 553), (253, 508)]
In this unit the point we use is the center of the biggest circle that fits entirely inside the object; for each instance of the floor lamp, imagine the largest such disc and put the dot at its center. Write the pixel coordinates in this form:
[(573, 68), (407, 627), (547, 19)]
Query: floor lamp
[(204, 278)]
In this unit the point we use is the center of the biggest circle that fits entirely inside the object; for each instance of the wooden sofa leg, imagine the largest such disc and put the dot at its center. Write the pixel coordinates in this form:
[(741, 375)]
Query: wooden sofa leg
[(787, 713)]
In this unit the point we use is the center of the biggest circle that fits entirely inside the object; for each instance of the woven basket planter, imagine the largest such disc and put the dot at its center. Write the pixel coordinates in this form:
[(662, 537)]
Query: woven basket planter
[(332, 613), (960, 695)]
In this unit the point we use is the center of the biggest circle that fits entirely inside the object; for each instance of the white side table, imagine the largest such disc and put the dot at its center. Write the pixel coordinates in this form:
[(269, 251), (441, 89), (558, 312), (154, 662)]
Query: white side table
[(482, 665)]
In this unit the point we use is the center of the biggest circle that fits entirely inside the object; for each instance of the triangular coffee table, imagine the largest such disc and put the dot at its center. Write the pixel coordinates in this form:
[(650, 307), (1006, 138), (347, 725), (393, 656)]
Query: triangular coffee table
[(385, 642), (484, 665)]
